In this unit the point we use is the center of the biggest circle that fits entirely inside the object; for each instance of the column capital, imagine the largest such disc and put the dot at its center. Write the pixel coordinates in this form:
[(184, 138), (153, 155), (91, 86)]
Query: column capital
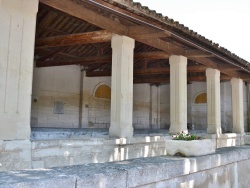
[(174, 59), (212, 72), (24, 6), (236, 81), (122, 40)]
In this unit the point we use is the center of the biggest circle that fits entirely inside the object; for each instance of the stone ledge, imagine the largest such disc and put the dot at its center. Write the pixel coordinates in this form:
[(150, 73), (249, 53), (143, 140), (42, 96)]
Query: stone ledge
[(247, 139), (130, 173)]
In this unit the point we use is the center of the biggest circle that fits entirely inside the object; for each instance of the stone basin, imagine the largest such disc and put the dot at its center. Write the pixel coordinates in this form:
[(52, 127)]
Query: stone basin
[(190, 148)]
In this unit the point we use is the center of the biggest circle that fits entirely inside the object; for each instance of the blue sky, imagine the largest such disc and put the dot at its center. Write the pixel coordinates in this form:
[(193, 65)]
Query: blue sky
[(226, 22)]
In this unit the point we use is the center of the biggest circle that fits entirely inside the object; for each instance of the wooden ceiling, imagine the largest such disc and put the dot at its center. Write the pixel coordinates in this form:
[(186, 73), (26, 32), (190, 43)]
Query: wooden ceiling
[(75, 32)]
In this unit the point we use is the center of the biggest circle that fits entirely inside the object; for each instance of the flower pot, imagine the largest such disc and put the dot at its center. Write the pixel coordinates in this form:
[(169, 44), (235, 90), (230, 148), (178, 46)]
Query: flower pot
[(190, 148)]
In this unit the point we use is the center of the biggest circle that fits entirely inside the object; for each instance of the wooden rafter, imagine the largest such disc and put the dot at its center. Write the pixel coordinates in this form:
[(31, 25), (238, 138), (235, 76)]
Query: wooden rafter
[(149, 36), (148, 71), (94, 18), (197, 53), (74, 39), (102, 59), (167, 79)]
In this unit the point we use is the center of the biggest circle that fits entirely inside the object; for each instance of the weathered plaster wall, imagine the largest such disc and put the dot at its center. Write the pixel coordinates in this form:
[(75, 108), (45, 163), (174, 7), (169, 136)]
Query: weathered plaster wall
[(64, 84), (95, 111), (141, 106), (165, 105), (56, 84), (198, 111)]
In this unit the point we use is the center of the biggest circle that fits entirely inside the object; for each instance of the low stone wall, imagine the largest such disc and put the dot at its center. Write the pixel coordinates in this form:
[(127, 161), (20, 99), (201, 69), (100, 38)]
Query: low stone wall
[(52, 153), (85, 148), (15, 155), (247, 139), (228, 167), (227, 140)]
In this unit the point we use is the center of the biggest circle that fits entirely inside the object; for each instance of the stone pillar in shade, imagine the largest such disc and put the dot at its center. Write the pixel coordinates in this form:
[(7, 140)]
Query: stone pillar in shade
[(237, 105), (154, 117), (213, 101), (248, 107), (178, 93), (122, 87), (17, 36)]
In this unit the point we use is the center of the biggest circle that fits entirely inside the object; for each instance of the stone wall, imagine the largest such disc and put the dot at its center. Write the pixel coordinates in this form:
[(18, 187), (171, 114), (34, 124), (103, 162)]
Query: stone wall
[(165, 106), (52, 153), (228, 167), (197, 113), (141, 106), (64, 84), (51, 85), (15, 155)]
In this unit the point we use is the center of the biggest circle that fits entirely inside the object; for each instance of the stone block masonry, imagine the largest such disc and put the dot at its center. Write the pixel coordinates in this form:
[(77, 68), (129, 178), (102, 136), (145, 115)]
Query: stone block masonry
[(228, 167), (54, 153), (15, 155)]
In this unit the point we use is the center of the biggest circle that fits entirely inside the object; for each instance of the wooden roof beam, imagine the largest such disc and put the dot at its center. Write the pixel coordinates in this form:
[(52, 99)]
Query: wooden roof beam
[(228, 71), (74, 39), (197, 53), (96, 37), (108, 24), (145, 72), (167, 80), (78, 11), (102, 59)]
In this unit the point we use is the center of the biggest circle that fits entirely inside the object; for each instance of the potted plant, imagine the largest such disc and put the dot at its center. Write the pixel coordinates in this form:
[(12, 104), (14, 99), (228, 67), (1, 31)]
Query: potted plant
[(185, 144)]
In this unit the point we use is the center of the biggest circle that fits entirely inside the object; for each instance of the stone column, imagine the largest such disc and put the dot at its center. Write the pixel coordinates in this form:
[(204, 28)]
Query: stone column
[(178, 93), (248, 107), (122, 87), (213, 101), (154, 117), (17, 23), (17, 38), (237, 105)]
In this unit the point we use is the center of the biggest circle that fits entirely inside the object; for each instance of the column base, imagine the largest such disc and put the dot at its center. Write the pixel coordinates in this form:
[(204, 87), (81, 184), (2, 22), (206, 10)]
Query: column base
[(15, 155), (121, 132), (238, 130), (177, 129), (214, 129)]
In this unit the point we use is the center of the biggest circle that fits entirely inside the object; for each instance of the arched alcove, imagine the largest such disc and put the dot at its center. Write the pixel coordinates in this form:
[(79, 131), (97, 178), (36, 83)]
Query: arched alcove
[(103, 91), (201, 98)]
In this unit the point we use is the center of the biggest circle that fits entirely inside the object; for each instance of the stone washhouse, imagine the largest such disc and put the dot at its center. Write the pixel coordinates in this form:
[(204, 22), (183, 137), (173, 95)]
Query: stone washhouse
[(96, 81)]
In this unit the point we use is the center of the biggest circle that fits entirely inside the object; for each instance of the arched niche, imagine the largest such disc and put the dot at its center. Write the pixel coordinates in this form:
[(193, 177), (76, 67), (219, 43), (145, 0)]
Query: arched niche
[(201, 98), (102, 91)]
